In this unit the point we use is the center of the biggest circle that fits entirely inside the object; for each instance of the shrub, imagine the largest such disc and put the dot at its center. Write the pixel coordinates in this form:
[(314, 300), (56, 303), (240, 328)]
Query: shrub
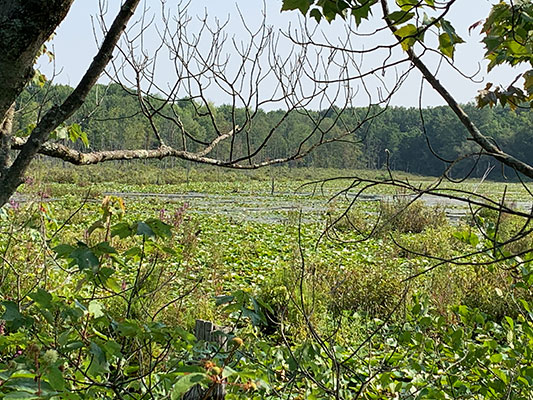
[(403, 215)]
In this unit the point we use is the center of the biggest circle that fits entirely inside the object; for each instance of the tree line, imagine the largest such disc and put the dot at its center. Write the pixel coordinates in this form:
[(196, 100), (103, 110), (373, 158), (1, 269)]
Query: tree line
[(421, 141)]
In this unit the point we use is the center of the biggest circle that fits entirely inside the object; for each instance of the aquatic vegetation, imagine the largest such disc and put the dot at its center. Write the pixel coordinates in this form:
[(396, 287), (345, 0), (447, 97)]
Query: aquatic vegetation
[(101, 290)]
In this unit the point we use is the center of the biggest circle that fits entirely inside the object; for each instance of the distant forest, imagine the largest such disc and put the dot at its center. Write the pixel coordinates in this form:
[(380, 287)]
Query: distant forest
[(111, 119)]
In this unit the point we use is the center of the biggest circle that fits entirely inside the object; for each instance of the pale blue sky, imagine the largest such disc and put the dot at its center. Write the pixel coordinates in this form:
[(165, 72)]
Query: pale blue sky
[(74, 44)]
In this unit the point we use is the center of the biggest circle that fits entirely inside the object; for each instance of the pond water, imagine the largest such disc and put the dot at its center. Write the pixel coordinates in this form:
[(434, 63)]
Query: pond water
[(275, 208), (279, 207)]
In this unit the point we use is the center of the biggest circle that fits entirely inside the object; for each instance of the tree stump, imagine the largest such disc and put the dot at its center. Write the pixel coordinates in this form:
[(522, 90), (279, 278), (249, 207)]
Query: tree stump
[(209, 332)]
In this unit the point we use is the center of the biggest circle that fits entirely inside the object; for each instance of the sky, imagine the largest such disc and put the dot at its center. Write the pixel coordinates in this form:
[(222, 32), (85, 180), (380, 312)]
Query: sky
[(74, 46)]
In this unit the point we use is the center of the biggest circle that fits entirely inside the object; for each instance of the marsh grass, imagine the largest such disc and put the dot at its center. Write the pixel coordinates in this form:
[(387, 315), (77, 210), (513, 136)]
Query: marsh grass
[(226, 254)]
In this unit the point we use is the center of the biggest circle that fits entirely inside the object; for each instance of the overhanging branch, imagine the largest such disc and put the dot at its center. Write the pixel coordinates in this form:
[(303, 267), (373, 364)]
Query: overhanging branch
[(62, 152), (472, 129)]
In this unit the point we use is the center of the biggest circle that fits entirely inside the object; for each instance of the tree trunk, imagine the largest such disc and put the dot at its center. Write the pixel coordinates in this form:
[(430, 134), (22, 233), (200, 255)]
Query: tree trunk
[(25, 25), (49, 13), (5, 140)]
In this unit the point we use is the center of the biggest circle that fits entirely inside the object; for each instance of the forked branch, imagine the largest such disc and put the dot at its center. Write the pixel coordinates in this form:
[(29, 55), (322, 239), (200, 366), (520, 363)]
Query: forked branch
[(58, 114)]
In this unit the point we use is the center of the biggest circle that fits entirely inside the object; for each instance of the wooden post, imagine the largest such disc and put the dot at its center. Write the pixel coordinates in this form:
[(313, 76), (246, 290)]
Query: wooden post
[(271, 181), (209, 332)]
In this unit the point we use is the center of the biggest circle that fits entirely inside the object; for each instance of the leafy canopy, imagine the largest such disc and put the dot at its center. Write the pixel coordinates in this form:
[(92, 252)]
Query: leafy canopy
[(508, 34)]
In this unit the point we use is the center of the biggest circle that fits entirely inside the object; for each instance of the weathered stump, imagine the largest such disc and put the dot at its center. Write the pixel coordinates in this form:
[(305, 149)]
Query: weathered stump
[(209, 332)]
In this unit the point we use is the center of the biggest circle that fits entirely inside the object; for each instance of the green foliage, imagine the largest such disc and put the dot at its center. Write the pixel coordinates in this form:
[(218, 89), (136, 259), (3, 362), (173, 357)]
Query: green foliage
[(100, 336), (330, 9), (72, 132), (361, 10), (39, 79), (448, 39), (240, 304), (508, 40), (507, 35), (503, 235), (436, 358), (302, 5), (95, 316), (405, 215)]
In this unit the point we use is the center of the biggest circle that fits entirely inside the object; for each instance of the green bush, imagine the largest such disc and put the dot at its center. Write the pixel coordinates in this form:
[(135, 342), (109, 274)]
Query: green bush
[(403, 215)]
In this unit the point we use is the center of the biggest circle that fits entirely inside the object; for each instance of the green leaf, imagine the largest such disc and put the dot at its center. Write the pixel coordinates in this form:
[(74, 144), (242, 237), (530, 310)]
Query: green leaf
[(399, 17), (133, 252), (528, 81), (517, 49), (496, 358), (129, 328), (219, 300), (97, 352), (99, 363), (104, 248), (407, 33), (302, 5), (63, 250), (187, 336), (84, 258), (362, 12), (190, 368), (525, 304), (60, 133), (55, 378), (26, 131), (316, 14), (330, 9), (185, 383), (20, 395), (159, 228), (143, 229), (42, 297), (113, 348), (12, 316), (227, 372), (122, 230), (113, 285), (96, 309), (63, 337), (38, 79), (72, 346), (446, 46), (11, 313), (75, 133), (407, 5), (450, 31)]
